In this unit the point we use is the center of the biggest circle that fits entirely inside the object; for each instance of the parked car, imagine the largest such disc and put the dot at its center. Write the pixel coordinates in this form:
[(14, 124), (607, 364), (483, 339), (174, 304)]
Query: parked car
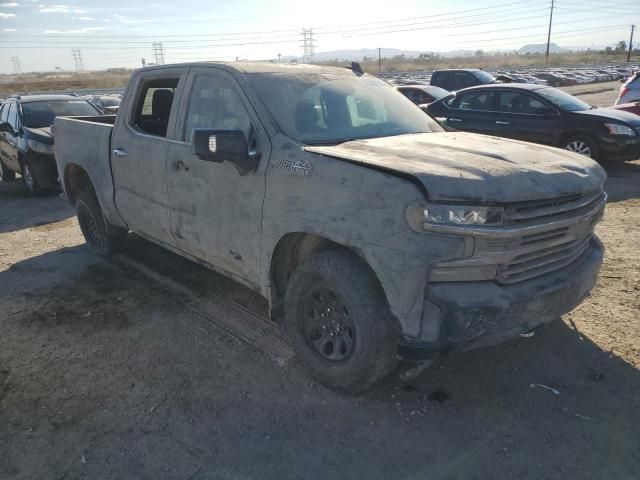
[(368, 229), (421, 94), (630, 90), (542, 115), (458, 79), (108, 104), (26, 142), (628, 107)]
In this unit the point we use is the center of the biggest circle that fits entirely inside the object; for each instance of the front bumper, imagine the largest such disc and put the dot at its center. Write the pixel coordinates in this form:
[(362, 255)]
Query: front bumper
[(621, 148), (477, 314)]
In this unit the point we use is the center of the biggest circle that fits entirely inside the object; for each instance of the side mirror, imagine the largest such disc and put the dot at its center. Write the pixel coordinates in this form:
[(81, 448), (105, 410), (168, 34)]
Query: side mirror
[(224, 146), (5, 127)]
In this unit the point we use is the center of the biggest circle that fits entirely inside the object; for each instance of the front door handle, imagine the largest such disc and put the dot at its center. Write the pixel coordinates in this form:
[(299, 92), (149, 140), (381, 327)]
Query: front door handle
[(454, 119), (500, 122), (118, 152), (179, 165)]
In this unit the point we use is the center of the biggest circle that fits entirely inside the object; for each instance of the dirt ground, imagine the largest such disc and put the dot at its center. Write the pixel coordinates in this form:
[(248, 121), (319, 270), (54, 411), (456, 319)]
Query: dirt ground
[(147, 366)]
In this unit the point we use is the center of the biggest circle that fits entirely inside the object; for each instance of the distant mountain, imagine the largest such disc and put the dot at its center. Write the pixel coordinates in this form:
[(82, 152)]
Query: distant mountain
[(541, 48)]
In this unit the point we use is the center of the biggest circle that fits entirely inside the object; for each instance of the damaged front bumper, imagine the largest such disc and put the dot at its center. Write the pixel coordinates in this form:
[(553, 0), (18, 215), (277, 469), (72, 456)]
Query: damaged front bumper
[(467, 315)]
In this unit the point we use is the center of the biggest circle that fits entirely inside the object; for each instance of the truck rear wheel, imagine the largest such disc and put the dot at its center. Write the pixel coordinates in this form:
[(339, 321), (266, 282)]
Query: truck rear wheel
[(339, 322), (101, 236)]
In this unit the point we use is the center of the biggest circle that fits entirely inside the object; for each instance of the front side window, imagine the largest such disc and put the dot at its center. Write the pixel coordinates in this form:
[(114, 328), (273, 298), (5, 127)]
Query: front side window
[(480, 101), (321, 108), (215, 105), (42, 113), (154, 105), (13, 116), (4, 113), (519, 102)]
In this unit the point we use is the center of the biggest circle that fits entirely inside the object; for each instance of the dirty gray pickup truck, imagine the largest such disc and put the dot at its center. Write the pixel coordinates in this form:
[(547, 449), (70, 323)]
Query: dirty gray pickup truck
[(370, 230)]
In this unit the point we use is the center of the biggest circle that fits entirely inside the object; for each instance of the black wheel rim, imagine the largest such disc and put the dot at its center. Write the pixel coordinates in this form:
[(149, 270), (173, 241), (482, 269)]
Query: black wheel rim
[(328, 326), (90, 227)]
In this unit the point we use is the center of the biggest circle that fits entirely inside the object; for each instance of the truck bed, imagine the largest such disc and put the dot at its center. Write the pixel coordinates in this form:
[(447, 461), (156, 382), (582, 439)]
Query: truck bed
[(85, 142)]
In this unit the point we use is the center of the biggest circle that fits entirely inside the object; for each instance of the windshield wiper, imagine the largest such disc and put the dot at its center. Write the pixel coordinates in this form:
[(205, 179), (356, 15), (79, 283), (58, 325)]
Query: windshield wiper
[(334, 141)]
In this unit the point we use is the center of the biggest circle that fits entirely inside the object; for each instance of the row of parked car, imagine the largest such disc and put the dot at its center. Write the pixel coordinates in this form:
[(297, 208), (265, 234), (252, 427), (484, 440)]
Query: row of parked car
[(533, 112), (26, 140)]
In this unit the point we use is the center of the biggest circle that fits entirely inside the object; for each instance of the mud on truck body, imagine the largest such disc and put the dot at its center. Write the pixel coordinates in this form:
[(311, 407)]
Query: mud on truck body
[(370, 230)]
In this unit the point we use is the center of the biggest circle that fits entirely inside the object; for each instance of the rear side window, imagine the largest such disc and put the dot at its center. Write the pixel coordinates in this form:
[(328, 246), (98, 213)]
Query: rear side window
[(441, 79), (154, 105)]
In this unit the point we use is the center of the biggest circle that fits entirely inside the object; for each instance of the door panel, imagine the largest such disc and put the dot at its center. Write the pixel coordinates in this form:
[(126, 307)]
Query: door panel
[(471, 112), (521, 116), (216, 213), (139, 153), (11, 139)]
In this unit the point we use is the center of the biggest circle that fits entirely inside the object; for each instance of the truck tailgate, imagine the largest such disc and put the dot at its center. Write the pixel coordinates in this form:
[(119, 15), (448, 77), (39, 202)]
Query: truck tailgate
[(85, 143)]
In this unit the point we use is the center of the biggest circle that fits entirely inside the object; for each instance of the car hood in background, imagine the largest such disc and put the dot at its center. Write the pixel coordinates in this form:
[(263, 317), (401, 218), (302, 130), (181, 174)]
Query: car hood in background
[(609, 113), (475, 168), (42, 134)]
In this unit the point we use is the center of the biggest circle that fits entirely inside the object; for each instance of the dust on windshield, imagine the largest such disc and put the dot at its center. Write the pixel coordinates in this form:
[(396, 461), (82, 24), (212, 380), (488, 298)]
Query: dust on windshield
[(316, 108)]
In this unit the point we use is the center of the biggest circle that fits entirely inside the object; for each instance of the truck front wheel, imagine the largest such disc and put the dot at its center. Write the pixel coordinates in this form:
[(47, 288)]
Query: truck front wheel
[(101, 237), (339, 322)]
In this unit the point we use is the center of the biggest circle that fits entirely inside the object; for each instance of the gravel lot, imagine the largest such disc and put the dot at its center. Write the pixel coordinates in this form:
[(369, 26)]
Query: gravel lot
[(148, 366)]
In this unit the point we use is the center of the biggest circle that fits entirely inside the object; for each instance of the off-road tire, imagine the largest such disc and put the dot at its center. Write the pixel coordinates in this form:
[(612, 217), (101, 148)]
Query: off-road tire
[(6, 175), (575, 142), (101, 236), (375, 340)]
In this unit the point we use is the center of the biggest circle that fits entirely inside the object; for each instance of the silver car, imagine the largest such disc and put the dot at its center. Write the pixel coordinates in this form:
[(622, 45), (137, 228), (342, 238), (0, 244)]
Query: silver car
[(630, 90)]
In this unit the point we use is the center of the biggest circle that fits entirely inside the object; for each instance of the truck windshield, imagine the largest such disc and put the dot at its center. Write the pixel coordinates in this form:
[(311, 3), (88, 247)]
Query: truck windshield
[(42, 113), (321, 109)]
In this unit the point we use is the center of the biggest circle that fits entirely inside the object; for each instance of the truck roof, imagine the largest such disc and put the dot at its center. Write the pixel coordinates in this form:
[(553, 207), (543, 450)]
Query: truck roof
[(45, 98), (260, 67)]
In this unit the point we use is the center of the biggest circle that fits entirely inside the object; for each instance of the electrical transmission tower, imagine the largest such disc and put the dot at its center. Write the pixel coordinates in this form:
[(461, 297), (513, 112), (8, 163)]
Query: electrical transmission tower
[(16, 65), (77, 58), (308, 45), (158, 52)]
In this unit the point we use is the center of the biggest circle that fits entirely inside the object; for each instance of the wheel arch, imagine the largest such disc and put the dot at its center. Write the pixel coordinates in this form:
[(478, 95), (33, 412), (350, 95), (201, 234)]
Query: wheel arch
[(294, 248), (75, 181)]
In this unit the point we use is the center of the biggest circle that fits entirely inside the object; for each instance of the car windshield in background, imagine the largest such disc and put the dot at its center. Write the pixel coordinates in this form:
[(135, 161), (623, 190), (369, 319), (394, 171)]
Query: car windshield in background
[(563, 100), (42, 113), (331, 108), (485, 77)]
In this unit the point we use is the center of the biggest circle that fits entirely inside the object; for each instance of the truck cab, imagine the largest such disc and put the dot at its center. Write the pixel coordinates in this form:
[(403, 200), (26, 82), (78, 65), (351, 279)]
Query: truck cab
[(371, 232)]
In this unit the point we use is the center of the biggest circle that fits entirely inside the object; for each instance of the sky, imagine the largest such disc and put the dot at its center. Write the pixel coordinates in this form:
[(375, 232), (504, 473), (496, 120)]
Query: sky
[(43, 34)]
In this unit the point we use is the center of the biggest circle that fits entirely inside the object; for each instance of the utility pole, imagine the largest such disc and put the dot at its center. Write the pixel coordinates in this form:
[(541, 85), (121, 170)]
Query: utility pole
[(633, 27), (158, 52), (16, 65), (77, 58), (546, 55), (379, 60), (308, 45)]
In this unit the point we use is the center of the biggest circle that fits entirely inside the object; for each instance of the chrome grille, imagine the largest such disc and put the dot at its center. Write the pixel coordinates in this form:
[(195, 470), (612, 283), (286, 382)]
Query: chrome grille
[(553, 209)]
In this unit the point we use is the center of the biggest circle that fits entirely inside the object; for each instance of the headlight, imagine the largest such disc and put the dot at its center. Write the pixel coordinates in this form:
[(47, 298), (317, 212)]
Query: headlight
[(463, 215), (40, 147), (617, 129)]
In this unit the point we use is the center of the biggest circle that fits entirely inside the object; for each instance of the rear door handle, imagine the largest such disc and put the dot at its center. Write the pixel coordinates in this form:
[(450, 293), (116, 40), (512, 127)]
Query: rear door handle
[(118, 152), (500, 122), (454, 119)]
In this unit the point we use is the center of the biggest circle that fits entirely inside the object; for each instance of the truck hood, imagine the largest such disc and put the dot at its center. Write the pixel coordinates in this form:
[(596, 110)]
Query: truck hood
[(42, 134), (475, 168)]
